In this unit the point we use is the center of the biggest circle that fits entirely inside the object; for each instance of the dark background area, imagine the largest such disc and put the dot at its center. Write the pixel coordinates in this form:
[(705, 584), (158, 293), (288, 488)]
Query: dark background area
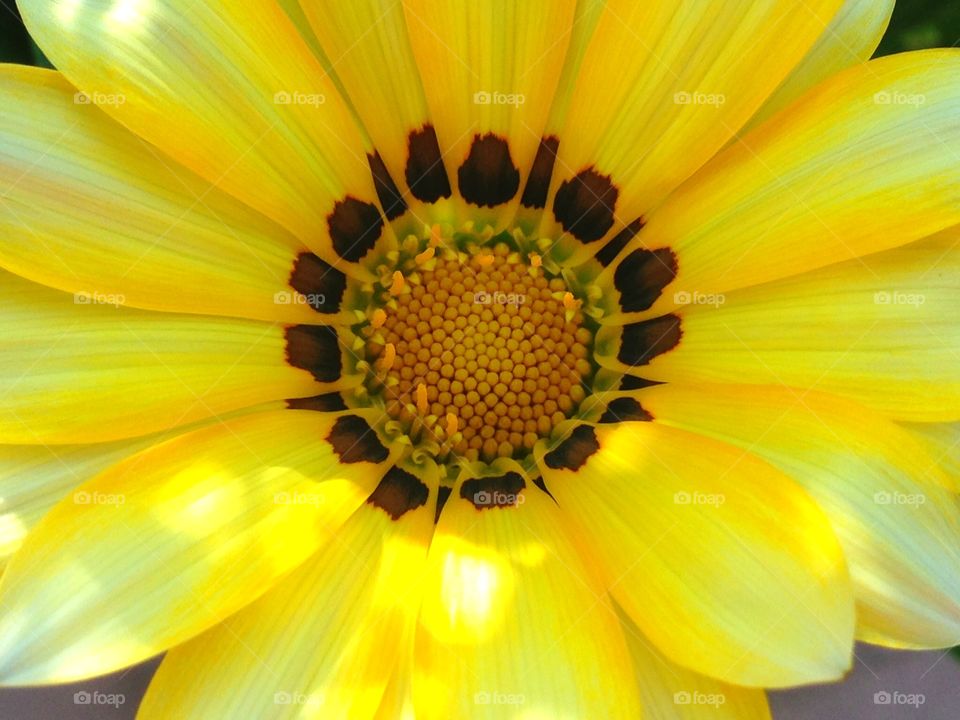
[(916, 24)]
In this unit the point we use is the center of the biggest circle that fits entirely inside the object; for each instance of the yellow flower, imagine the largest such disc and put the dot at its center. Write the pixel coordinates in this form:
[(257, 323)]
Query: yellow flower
[(495, 359)]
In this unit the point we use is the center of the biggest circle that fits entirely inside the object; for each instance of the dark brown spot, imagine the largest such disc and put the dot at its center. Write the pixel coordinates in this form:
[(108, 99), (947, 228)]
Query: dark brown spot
[(321, 283), (493, 492), (573, 452), (625, 409), (425, 174), (355, 227), (354, 441), (315, 348), (329, 402), (488, 176), (633, 382), (391, 200), (538, 183), (643, 341), (398, 493), (609, 252), (642, 276), (584, 205), (443, 494)]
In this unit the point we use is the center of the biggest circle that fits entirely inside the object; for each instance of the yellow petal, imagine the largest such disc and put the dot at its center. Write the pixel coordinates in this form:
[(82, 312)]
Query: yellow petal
[(321, 644), (943, 443), (849, 39), (34, 478), (89, 207), (722, 561), (662, 88), (77, 369), (671, 692), (880, 329), (865, 162), (229, 90), (514, 623), (369, 49), (898, 526), (489, 71), (172, 540)]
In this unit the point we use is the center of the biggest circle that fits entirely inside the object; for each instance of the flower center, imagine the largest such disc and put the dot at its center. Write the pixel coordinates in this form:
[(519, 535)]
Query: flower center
[(477, 354)]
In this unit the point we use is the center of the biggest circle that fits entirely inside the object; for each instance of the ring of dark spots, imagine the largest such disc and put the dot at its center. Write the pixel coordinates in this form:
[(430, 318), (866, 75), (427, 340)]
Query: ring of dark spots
[(625, 409), (322, 283), (328, 402), (443, 494), (634, 382), (391, 200), (355, 227), (538, 183), (643, 341), (398, 493), (575, 450), (425, 174), (488, 176), (493, 492), (584, 205), (315, 348), (610, 251), (353, 440), (642, 276)]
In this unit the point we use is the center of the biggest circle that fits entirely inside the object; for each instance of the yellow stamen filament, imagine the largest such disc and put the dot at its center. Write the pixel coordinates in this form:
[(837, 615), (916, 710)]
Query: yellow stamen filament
[(379, 318), (396, 287), (435, 236), (485, 260), (389, 356), (425, 256), (569, 302), (452, 425), (535, 260), (422, 406)]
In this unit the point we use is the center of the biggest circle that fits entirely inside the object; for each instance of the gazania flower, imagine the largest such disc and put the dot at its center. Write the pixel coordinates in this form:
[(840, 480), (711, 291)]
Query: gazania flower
[(444, 359)]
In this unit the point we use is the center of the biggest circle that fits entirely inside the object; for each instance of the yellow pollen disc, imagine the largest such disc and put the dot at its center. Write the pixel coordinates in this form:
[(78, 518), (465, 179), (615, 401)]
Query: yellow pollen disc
[(493, 347)]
